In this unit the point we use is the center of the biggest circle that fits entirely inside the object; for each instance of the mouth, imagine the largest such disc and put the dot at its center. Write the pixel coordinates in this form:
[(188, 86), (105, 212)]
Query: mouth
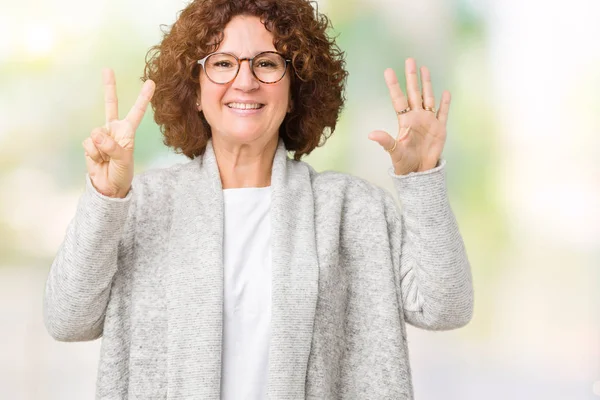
[(245, 106)]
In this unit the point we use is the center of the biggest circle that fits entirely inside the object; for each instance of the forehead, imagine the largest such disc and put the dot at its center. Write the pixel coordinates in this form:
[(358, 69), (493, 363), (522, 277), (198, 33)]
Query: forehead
[(245, 36)]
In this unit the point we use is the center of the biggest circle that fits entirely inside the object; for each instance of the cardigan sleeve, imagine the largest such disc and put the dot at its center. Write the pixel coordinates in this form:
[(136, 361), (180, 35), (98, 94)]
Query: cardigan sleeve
[(433, 274), (78, 284)]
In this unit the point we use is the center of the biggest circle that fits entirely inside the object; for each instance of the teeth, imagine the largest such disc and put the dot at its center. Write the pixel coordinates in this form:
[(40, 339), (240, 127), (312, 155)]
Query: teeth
[(244, 106)]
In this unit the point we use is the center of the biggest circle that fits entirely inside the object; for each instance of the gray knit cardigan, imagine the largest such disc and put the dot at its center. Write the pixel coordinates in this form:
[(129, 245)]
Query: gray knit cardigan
[(145, 273)]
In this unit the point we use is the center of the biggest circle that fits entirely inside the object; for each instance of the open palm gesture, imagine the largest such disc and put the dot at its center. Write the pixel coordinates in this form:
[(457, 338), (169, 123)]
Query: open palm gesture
[(109, 149), (421, 131)]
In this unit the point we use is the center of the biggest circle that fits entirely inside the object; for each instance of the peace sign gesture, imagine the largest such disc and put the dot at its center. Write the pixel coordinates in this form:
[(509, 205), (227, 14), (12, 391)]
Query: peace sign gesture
[(421, 132), (109, 149)]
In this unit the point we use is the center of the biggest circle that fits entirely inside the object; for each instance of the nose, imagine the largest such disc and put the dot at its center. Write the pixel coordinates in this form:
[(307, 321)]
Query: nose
[(245, 79)]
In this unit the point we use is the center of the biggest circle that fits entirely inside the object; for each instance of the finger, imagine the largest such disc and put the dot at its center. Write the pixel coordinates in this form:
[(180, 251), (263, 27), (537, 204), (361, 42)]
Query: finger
[(90, 164), (91, 151), (111, 103), (428, 96), (105, 131), (442, 113), (139, 108), (107, 144), (399, 101), (383, 138), (415, 101)]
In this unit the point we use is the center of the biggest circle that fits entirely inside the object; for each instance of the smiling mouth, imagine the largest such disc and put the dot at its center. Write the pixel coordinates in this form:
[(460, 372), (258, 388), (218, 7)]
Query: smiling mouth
[(245, 106)]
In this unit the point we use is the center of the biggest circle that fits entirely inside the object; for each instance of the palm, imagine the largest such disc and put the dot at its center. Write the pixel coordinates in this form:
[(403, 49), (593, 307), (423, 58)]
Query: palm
[(420, 149), (421, 133)]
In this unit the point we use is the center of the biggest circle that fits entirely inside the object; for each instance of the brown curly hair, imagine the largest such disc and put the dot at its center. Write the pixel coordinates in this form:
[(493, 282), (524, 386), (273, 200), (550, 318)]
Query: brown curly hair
[(299, 31)]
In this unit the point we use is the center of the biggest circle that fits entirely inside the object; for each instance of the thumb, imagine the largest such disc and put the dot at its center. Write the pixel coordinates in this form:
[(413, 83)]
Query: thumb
[(107, 144), (383, 138)]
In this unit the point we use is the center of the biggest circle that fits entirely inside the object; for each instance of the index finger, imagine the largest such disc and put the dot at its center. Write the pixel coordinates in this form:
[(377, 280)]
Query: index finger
[(111, 104), (135, 115)]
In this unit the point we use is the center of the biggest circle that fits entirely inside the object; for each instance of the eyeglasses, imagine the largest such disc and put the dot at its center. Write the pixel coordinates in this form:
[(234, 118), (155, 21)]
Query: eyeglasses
[(222, 68)]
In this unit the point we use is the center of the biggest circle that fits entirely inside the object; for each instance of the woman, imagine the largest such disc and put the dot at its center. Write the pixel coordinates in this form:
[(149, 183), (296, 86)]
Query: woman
[(243, 274)]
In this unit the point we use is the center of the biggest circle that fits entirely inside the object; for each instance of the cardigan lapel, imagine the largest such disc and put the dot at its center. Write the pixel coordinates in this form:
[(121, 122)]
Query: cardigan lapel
[(194, 280), (295, 276)]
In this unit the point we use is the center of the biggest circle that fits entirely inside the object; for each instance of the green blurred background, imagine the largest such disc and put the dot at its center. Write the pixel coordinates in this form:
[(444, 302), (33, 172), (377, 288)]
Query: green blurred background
[(522, 150)]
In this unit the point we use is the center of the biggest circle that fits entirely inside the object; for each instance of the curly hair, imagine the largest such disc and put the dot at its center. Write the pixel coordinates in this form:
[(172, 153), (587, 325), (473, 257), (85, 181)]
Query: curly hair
[(299, 32)]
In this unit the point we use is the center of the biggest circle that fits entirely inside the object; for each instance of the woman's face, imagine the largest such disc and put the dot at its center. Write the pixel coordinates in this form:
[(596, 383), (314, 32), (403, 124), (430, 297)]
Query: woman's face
[(245, 36)]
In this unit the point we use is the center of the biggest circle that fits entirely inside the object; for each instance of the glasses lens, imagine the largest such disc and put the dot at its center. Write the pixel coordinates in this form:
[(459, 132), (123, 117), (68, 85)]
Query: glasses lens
[(269, 67), (221, 68)]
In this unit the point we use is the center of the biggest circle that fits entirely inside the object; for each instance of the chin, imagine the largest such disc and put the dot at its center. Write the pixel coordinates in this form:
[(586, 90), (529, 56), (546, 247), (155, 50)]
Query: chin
[(247, 135)]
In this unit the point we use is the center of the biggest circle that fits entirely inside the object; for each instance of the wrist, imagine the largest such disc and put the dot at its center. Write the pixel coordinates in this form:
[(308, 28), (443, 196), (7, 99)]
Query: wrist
[(121, 194), (116, 194), (420, 168), (428, 166)]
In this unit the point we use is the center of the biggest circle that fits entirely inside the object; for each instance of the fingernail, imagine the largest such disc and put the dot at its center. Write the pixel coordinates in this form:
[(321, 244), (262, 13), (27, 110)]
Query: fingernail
[(147, 88), (98, 137)]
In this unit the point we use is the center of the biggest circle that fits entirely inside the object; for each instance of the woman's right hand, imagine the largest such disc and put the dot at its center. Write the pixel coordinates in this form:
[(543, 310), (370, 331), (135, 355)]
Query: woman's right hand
[(109, 149)]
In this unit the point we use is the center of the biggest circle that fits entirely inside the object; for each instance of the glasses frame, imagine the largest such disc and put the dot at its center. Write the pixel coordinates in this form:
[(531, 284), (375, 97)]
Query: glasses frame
[(239, 65)]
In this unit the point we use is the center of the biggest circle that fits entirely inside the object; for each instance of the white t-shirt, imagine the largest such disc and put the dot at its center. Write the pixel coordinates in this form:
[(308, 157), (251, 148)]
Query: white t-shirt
[(247, 293)]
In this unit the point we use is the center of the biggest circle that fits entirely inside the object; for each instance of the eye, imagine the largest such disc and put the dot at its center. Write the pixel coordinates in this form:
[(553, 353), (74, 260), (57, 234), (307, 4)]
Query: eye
[(221, 61), (266, 64), (222, 64)]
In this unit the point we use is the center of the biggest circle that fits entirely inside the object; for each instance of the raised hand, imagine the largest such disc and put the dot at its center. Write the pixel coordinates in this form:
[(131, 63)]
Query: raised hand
[(109, 149), (421, 132)]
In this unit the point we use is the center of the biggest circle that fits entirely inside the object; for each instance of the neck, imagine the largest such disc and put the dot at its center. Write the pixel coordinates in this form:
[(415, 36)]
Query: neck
[(244, 165)]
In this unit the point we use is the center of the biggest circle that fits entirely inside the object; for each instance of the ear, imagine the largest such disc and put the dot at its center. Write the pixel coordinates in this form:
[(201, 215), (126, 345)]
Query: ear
[(198, 103)]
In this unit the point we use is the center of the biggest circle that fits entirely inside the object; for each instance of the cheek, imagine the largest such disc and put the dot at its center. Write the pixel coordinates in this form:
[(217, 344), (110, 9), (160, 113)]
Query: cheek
[(211, 96), (281, 98)]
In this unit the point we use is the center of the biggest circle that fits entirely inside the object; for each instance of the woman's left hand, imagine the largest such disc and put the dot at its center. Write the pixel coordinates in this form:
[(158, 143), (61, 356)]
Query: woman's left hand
[(421, 132)]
